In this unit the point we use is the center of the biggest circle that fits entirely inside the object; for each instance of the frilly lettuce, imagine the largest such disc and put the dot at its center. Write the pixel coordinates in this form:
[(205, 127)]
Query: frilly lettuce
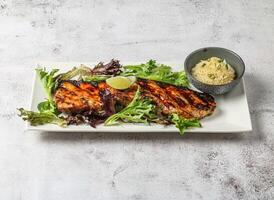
[(157, 72), (138, 111)]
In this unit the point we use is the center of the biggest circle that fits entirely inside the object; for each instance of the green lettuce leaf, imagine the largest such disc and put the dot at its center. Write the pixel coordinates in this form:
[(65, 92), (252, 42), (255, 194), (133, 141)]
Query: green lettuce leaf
[(183, 124), (47, 109), (49, 82), (40, 118), (138, 111), (47, 106), (157, 72)]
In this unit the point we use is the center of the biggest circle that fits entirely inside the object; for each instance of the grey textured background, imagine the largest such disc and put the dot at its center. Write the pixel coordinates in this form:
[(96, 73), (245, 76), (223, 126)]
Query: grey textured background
[(136, 166)]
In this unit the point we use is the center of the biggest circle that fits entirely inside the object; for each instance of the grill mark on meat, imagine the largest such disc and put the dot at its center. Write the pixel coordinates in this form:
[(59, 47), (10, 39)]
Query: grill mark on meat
[(193, 98), (72, 99), (194, 101), (181, 101), (161, 96), (152, 92), (197, 99), (206, 98)]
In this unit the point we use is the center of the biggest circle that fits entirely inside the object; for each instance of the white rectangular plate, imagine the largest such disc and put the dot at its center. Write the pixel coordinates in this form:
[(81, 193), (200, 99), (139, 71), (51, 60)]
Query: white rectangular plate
[(231, 114)]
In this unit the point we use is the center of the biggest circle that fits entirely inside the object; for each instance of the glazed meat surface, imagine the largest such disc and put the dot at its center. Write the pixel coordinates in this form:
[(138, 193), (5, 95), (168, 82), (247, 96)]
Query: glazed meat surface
[(74, 97)]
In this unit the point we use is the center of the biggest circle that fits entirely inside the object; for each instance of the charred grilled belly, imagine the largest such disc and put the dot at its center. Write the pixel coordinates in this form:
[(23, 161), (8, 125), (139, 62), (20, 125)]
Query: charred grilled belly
[(183, 101), (73, 98), (79, 97)]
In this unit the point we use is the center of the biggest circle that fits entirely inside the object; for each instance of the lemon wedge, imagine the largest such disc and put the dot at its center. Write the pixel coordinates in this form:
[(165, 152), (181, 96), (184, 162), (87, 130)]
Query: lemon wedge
[(121, 82)]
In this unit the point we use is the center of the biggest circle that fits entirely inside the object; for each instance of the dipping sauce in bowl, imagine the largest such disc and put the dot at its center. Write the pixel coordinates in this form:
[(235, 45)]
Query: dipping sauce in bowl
[(213, 71)]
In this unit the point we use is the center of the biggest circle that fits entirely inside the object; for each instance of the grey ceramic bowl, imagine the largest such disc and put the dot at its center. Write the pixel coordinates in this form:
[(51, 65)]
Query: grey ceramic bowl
[(231, 58)]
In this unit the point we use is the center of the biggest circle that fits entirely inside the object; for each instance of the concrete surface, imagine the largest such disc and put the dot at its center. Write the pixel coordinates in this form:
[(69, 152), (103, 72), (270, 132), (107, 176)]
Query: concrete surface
[(137, 166)]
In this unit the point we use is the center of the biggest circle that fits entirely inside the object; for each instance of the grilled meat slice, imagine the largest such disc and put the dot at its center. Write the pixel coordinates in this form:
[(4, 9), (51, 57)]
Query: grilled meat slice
[(79, 97), (73, 98), (183, 101)]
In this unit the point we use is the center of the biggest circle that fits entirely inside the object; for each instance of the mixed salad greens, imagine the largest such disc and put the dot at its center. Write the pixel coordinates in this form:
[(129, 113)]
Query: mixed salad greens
[(139, 110), (156, 72)]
